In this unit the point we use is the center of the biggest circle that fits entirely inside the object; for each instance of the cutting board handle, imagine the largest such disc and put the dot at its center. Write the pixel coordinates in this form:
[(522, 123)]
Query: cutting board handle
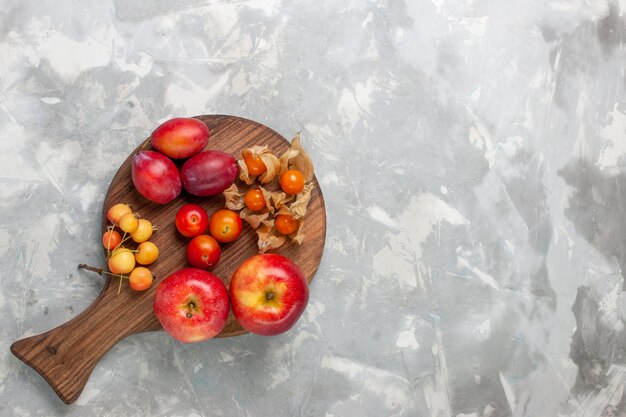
[(66, 356)]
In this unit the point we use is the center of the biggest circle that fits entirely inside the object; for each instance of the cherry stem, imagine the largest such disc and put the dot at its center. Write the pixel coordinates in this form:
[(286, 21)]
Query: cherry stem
[(109, 229), (101, 271), (120, 244), (124, 239), (119, 288)]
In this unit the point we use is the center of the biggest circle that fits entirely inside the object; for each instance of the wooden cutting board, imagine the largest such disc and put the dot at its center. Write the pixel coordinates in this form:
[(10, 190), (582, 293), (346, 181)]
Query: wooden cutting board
[(66, 355)]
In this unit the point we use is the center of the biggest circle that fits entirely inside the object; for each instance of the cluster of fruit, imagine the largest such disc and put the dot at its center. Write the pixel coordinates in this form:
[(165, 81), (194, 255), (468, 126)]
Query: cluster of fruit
[(204, 173), (275, 215), (268, 293), (121, 259), (291, 182), (203, 251)]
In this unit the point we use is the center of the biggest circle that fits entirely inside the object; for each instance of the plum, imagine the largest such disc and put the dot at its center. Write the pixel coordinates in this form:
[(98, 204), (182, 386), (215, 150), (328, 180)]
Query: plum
[(209, 173), (180, 138), (156, 177)]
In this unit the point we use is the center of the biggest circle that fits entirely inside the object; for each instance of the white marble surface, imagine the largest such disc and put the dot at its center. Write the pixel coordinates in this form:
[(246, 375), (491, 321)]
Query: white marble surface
[(473, 158)]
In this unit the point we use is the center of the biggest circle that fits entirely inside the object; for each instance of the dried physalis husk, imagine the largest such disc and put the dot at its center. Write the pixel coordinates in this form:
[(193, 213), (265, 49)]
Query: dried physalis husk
[(280, 198), (273, 166), (298, 235), (244, 175), (285, 210), (234, 198), (285, 158), (277, 202), (297, 158), (268, 199), (299, 206), (269, 238), (270, 160), (253, 218)]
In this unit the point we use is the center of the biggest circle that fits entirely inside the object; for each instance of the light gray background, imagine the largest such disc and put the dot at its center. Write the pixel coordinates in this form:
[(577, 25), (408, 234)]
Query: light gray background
[(472, 156)]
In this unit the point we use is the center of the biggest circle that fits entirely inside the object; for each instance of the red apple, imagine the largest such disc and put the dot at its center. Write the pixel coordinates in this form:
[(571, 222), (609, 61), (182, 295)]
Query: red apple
[(268, 294), (191, 305), (180, 138), (156, 177)]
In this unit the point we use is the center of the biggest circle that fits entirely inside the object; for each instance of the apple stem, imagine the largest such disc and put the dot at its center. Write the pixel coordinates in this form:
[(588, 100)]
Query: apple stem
[(190, 307), (269, 295)]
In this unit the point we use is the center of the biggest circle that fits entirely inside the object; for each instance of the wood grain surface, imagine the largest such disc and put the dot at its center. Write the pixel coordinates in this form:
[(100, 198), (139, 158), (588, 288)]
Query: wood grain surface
[(66, 355)]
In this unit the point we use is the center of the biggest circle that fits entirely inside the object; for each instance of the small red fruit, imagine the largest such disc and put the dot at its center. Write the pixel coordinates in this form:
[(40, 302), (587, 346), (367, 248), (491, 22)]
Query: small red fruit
[(255, 165), (225, 225), (144, 231), (203, 252), (122, 261), (110, 239), (191, 220), (116, 212), (285, 224), (292, 181), (140, 278), (129, 223), (254, 200), (147, 253)]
